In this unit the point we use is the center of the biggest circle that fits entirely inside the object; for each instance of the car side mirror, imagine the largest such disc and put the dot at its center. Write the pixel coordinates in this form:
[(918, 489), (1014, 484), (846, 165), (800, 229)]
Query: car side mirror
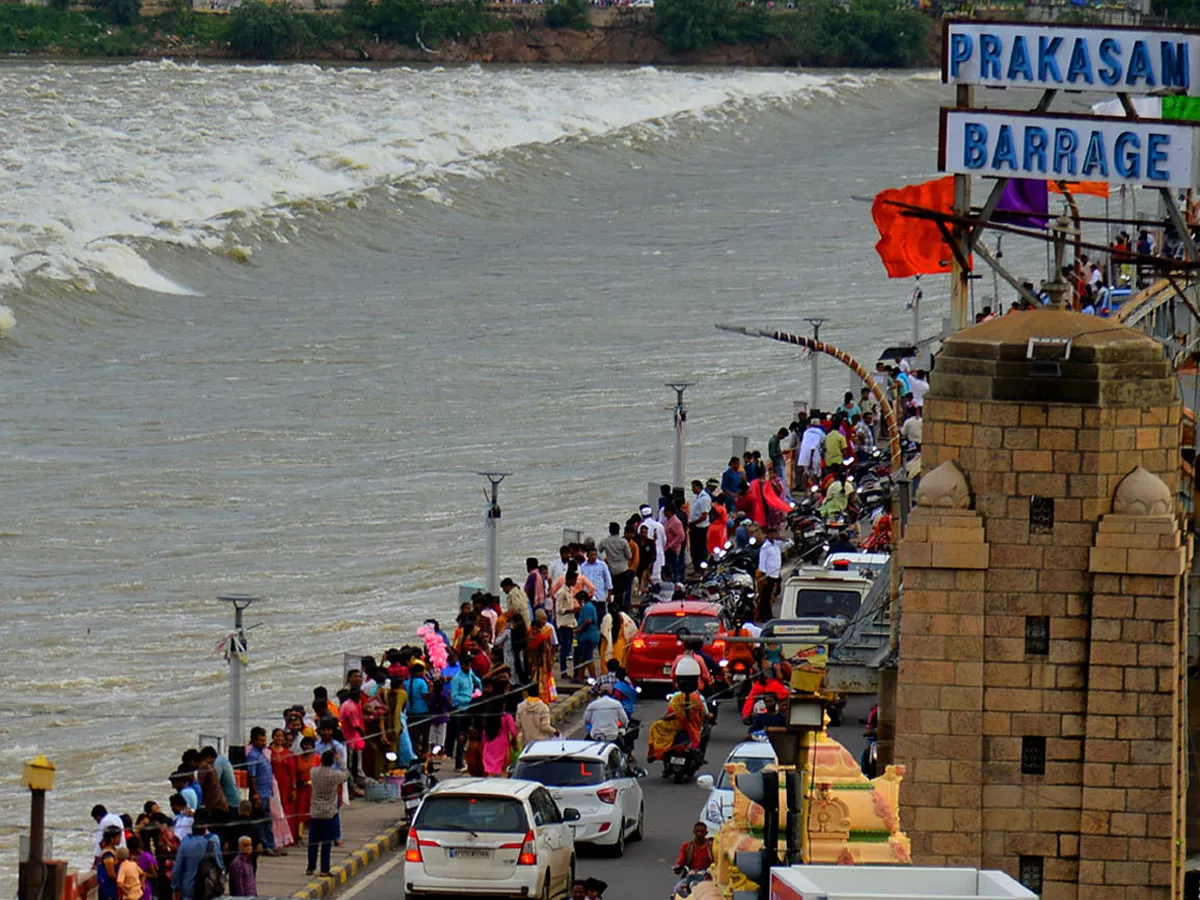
[(570, 814), (639, 772), (705, 782)]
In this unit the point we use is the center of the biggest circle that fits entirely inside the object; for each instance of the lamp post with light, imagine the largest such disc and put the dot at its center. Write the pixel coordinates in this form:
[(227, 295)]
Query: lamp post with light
[(38, 878)]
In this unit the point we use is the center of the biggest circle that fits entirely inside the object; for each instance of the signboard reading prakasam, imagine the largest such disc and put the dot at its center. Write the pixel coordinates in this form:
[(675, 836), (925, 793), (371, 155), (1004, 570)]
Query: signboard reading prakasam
[(1068, 147), (1071, 57)]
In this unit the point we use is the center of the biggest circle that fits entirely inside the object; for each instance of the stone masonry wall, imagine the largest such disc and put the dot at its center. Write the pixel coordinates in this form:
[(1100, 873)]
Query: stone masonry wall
[(968, 690)]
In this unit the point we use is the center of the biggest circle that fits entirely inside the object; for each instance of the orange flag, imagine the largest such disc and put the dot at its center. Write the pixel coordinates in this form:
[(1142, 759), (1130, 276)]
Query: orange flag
[(909, 246), (1094, 188)]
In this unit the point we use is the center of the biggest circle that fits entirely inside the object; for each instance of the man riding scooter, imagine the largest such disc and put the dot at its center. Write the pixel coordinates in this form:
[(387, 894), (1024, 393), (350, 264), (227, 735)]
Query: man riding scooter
[(606, 719)]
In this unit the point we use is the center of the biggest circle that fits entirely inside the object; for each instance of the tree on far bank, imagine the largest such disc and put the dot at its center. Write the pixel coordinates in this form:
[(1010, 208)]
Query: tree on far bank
[(691, 24), (121, 12)]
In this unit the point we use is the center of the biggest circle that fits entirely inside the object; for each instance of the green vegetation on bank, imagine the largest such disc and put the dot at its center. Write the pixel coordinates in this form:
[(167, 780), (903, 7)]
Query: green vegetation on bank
[(872, 33), (867, 33), (255, 30)]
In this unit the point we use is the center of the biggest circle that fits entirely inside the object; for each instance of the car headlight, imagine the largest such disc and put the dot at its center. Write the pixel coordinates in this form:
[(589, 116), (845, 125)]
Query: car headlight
[(712, 812)]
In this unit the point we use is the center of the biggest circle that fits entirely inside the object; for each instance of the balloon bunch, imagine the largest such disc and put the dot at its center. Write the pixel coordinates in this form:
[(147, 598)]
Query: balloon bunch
[(434, 646)]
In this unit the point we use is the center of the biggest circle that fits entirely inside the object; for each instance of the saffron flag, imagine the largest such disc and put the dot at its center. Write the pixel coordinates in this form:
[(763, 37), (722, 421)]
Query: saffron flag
[(909, 246), (1094, 188)]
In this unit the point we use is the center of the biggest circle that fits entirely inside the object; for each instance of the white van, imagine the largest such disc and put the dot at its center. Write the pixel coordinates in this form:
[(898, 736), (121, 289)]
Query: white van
[(817, 592)]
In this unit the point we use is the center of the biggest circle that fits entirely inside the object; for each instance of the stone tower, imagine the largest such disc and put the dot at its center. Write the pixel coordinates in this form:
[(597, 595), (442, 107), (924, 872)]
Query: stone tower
[(1040, 694)]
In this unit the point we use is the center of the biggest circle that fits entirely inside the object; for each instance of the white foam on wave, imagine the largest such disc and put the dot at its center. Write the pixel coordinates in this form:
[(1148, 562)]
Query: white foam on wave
[(160, 151)]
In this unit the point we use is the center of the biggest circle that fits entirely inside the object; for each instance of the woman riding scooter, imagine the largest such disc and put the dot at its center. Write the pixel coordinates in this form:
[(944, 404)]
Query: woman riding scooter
[(686, 714)]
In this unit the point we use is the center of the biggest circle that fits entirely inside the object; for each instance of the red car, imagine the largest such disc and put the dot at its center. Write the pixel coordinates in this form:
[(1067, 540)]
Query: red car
[(660, 639)]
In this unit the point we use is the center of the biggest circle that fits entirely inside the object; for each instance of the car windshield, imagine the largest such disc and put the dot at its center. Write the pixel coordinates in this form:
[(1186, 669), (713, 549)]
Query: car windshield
[(481, 814), (754, 764), (827, 602), (560, 772), (672, 623)]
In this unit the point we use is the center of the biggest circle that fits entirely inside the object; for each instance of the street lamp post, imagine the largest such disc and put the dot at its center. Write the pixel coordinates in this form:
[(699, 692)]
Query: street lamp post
[(492, 583), (814, 401), (680, 425), (35, 872), (235, 652)]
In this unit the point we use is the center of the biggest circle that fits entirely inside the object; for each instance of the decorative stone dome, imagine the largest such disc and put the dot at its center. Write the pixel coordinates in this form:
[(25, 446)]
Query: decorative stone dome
[(944, 488), (1143, 493)]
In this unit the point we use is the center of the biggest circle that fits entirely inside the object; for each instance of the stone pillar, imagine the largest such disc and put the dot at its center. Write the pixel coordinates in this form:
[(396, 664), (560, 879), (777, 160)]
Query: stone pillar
[(1041, 415), (939, 698), (1131, 823)]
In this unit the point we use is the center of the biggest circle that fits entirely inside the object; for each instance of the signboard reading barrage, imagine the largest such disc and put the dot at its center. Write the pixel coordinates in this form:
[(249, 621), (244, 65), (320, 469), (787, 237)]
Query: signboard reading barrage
[(1068, 147), (1071, 57)]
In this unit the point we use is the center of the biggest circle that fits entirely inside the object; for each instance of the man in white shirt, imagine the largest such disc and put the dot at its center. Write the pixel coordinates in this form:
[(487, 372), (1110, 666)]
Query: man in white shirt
[(655, 529), (919, 385), (809, 458), (605, 716), (770, 570), (104, 819), (911, 429), (558, 567), (698, 524)]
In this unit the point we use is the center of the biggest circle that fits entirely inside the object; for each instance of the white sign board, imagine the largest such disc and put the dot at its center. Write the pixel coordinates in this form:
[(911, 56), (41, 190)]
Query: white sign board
[(1072, 57), (1068, 147), (892, 883)]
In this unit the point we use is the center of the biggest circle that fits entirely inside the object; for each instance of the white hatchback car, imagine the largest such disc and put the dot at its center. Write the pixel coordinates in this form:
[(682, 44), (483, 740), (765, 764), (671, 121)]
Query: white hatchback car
[(490, 837), (595, 778), (757, 755)]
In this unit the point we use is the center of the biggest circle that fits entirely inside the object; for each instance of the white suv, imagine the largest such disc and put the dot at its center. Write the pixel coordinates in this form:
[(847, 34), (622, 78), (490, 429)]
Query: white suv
[(757, 755), (491, 837), (596, 778)]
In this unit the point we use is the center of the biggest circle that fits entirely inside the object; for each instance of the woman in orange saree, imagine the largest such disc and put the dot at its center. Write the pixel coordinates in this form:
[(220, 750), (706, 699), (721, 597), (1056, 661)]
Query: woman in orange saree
[(686, 712), (540, 648)]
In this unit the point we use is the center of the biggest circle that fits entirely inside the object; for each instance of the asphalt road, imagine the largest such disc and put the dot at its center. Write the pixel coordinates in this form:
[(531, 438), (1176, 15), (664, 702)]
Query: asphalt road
[(671, 810)]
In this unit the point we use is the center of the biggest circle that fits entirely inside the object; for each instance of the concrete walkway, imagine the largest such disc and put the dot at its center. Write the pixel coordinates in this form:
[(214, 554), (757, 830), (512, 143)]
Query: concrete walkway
[(369, 832)]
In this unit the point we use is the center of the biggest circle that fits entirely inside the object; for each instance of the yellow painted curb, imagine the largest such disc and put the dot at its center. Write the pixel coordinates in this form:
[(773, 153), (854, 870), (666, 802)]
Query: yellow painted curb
[(371, 852)]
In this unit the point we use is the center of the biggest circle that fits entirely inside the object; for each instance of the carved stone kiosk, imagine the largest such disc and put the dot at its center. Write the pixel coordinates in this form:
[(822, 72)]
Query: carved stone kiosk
[(1041, 688)]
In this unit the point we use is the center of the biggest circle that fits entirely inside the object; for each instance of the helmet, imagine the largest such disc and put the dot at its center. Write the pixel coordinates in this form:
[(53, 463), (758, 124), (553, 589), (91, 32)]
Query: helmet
[(687, 667)]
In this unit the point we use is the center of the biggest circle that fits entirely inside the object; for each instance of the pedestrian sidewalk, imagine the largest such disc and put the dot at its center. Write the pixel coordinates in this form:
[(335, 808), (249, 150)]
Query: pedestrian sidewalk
[(369, 832)]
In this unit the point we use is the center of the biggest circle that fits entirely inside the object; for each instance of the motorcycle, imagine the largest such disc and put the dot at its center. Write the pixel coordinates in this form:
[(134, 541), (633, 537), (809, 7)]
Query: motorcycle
[(810, 543), (418, 781), (683, 761), (687, 882)]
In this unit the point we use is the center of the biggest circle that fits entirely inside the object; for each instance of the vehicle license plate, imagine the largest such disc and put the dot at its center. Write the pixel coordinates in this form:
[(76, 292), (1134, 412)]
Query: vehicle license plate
[(469, 853), (677, 760), (666, 670)]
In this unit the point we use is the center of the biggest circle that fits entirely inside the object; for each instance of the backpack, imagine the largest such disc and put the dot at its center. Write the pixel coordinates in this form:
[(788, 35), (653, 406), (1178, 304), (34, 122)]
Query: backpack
[(210, 877)]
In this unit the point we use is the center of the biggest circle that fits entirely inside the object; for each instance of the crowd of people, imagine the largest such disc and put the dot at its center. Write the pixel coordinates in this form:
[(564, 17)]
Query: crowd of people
[(474, 696)]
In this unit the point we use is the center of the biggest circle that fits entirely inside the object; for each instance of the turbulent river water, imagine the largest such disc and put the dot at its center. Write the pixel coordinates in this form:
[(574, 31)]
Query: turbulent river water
[(262, 325)]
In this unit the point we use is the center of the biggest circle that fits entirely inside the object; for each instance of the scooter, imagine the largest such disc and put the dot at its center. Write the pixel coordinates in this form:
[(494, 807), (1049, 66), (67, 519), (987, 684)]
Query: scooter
[(682, 761), (418, 781)]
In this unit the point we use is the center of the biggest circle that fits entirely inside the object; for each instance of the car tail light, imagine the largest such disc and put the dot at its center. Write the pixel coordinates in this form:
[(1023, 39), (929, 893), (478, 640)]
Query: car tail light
[(639, 643), (718, 646), (607, 795), (412, 850), (527, 856), (604, 826)]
